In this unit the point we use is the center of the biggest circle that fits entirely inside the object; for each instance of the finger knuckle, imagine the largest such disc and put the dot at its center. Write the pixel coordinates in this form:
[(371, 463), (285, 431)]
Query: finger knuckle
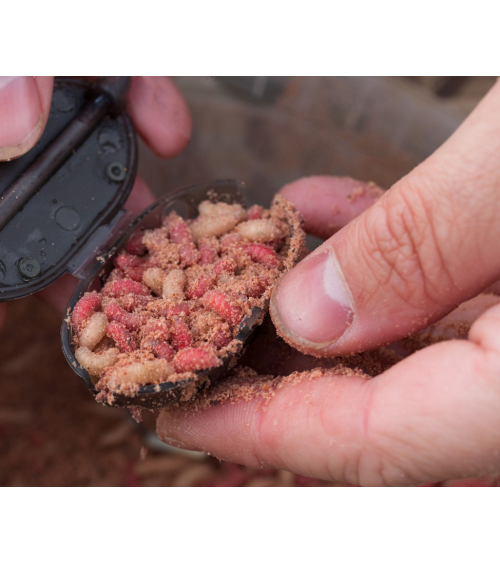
[(404, 252)]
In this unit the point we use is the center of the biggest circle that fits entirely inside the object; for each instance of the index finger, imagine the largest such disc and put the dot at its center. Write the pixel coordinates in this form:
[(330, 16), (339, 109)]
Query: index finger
[(434, 416), (160, 114)]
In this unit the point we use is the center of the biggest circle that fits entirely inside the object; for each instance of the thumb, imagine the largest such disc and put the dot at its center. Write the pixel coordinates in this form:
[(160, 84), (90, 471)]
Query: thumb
[(427, 245), (24, 110)]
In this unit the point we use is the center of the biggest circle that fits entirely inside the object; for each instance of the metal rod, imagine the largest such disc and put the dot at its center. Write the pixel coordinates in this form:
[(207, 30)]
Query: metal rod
[(110, 93)]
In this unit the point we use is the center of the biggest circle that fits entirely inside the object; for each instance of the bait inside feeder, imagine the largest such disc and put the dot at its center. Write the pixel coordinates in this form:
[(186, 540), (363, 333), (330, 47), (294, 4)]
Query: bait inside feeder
[(185, 203)]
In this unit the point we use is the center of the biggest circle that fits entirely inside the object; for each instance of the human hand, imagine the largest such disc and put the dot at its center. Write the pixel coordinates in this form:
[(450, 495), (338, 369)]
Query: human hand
[(427, 245), (155, 106)]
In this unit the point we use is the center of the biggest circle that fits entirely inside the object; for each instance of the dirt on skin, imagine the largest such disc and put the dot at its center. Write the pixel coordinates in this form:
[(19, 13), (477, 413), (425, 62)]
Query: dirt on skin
[(269, 354)]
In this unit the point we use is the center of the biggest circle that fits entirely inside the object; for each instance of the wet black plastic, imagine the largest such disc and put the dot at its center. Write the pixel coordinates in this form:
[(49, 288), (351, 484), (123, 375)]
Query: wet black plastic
[(185, 202), (76, 209)]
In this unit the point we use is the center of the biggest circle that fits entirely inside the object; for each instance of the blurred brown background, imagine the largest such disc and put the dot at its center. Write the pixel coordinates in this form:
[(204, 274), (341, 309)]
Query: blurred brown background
[(270, 131), (266, 131)]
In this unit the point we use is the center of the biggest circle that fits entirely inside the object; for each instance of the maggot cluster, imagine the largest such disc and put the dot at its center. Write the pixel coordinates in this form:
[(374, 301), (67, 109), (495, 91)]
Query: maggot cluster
[(178, 293)]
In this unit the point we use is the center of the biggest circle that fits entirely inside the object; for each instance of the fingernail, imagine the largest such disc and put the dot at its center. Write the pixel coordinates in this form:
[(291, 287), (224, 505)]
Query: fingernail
[(166, 429), (20, 115), (312, 305), (180, 445)]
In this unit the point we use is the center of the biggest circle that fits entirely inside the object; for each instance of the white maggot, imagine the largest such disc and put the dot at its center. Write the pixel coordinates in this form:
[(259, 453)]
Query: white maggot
[(259, 230), (94, 331), (95, 363), (174, 284), (216, 219)]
